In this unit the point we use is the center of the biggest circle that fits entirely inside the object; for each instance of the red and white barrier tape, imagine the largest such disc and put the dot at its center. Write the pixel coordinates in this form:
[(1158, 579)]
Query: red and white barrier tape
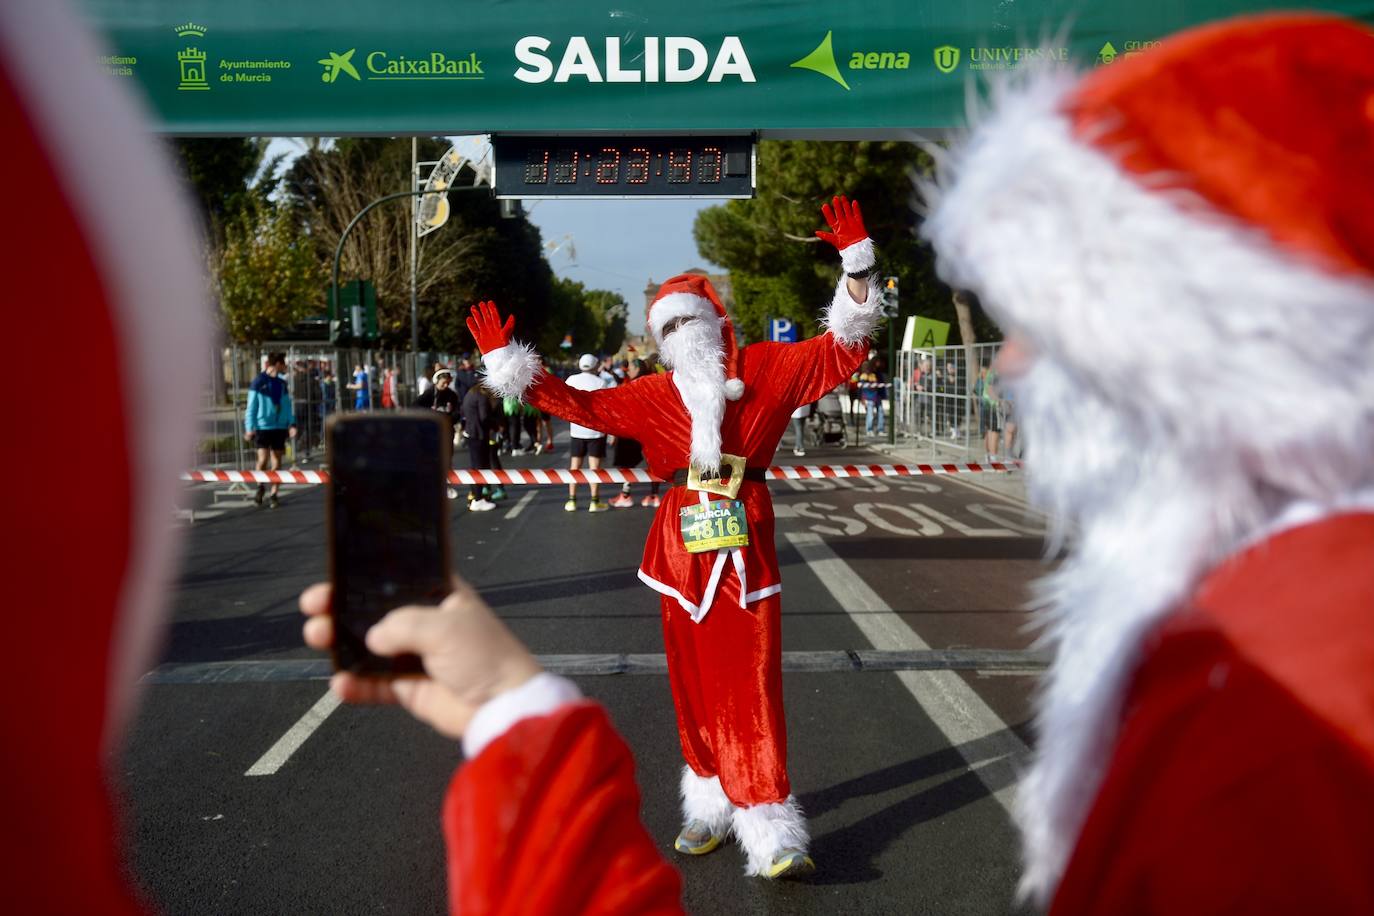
[(546, 476)]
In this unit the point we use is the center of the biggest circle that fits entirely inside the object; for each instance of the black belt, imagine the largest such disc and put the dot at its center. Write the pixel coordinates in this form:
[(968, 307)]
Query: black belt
[(679, 477)]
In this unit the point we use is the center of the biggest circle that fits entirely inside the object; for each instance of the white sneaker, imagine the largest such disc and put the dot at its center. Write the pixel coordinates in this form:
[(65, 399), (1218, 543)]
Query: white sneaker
[(452, 493), (481, 505), (799, 452)]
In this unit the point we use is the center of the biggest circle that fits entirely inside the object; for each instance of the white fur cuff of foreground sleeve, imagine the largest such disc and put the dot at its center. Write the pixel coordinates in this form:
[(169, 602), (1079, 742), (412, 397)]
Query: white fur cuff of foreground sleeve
[(509, 370), (540, 695), (858, 257), (852, 322)]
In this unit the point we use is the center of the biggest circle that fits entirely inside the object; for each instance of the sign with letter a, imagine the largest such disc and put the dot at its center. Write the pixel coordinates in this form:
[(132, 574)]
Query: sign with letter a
[(924, 333)]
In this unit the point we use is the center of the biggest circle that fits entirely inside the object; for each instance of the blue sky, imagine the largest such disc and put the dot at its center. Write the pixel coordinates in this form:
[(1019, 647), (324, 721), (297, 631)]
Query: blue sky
[(619, 245)]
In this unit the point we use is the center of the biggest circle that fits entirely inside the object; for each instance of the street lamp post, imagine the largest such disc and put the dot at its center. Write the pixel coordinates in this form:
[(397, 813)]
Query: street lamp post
[(338, 249)]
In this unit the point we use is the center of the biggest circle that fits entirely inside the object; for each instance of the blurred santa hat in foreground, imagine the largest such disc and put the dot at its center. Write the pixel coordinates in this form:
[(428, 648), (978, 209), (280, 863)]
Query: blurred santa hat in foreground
[(1184, 240)]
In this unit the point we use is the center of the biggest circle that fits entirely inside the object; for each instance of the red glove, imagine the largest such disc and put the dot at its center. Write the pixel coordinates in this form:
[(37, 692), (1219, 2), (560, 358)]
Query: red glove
[(486, 328), (847, 221)]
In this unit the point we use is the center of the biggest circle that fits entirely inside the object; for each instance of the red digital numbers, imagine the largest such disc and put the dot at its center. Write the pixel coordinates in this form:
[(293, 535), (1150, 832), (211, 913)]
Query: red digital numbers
[(637, 166), (565, 167), (679, 166), (708, 165), (537, 166), (608, 166)]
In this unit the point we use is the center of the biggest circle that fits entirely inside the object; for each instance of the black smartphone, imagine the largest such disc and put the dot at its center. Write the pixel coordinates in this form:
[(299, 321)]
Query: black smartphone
[(388, 526)]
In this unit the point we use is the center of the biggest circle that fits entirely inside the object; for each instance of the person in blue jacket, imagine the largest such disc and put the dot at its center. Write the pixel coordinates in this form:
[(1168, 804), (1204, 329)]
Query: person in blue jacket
[(269, 420)]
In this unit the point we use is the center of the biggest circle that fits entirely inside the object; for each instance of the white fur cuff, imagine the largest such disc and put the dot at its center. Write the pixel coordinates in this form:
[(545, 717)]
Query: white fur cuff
[(509, 370), (540, 695), (858, 257), (703, 799), (852, 322), (766, 830)]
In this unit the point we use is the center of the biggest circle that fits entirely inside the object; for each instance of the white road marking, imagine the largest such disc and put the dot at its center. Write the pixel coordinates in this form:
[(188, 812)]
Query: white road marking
[(973, 729), (289, 743), (520, 506)]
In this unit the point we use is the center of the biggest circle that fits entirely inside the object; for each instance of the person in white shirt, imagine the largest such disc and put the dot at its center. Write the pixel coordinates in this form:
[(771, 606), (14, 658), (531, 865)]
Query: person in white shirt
[(583, 441)]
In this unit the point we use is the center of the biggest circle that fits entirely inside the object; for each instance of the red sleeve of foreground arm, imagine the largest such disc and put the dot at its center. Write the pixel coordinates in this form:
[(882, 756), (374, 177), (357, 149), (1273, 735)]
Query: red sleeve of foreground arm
[(546, 820), (614, 411)]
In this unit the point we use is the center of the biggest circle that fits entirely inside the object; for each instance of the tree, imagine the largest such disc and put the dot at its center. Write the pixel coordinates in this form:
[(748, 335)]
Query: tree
[(219, 173), (610, 311), (477, 254), (594, 318), (267, 274), (777, 265)]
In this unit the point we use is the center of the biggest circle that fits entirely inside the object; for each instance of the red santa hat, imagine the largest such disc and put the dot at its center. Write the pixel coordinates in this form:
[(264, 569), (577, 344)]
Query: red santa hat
[(1270, 120), (693, 296)]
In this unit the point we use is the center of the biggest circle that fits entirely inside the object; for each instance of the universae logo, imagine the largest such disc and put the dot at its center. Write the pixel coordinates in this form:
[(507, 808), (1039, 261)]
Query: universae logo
[(946, 58)]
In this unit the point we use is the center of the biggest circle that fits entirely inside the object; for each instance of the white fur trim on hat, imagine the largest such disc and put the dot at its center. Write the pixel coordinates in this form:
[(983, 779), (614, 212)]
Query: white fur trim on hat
[(764, 831), (703, 799), (511, 369), (853, 322), (858, 257), (678, 305)]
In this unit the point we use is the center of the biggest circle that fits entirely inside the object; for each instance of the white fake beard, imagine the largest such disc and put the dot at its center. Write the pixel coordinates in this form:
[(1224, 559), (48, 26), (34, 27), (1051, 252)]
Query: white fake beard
[(696, 354), (1144, 524)]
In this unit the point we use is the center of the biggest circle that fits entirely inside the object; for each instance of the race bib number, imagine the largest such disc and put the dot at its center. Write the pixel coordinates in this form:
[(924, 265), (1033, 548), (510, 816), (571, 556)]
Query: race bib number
[(715, 525)]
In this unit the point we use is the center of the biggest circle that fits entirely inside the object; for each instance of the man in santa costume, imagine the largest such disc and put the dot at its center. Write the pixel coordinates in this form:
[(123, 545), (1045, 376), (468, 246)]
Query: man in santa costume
[(1180, 248), (710, 426)]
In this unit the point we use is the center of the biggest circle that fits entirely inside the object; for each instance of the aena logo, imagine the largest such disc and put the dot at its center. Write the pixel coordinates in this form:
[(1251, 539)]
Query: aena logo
[(678, 59), (822, 60)]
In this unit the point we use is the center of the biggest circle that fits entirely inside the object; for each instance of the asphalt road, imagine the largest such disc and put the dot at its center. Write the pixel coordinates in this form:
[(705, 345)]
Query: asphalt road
[(906, 775)]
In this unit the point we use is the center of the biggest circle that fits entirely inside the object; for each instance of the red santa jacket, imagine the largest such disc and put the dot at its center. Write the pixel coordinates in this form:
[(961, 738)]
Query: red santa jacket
[(1242, 778), (546, 820), (777, 379)]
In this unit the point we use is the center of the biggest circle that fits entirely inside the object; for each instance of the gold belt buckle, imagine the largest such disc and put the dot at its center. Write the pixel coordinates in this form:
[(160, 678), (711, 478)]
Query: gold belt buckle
[(727, 486)]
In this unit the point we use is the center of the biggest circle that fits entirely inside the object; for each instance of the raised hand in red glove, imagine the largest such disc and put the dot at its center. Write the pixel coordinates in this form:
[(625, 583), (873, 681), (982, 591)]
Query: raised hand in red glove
[(484, 323), (847, 225)]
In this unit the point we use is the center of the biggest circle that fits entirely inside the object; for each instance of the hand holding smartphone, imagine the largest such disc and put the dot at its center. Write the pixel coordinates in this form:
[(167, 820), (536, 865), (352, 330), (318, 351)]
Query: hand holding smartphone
[(388, 527)]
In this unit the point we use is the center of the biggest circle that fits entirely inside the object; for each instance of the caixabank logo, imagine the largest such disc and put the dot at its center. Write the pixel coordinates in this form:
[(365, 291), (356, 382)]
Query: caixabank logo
[(822, 60), (391, 65)]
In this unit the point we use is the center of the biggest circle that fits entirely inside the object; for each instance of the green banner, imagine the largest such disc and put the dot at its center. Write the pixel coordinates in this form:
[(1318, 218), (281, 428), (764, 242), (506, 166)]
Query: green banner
[(840, 69)]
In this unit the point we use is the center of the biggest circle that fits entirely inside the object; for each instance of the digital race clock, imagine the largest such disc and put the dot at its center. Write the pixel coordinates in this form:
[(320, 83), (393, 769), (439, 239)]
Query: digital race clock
[(623, 166)]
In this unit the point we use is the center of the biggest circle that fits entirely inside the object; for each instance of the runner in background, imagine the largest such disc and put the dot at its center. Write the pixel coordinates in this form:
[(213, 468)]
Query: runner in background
[(628, 453), (479, 422), (799, 430), (441, 397), (583, 441), (269, 420)]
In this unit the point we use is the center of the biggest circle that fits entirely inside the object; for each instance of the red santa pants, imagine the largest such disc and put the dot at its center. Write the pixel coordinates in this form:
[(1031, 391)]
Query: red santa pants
[(726, 676)]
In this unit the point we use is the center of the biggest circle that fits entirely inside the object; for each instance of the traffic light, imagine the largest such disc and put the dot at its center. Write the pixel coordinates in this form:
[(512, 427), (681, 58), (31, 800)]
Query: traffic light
[(889, 295)]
